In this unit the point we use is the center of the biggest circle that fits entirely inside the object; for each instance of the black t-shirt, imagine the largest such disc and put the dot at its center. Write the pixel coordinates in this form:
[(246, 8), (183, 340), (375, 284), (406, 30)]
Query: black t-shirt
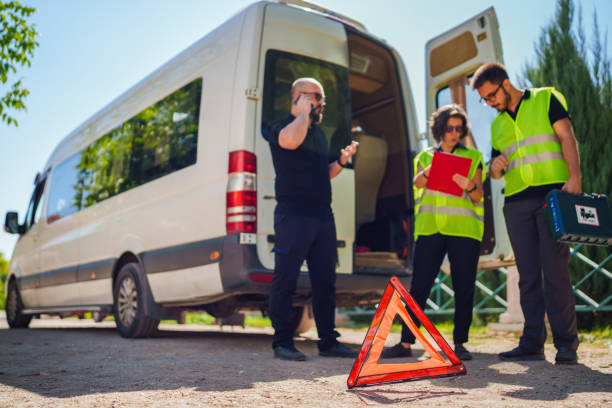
[(302, 175), (556, 112)]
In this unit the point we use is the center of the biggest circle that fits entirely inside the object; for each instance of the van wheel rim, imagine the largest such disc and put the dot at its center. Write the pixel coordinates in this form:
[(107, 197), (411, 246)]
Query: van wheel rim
[(127, 302), (11, 305)]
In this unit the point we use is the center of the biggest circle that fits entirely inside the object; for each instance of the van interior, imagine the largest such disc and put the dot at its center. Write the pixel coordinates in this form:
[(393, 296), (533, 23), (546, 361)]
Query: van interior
[(382, 165)]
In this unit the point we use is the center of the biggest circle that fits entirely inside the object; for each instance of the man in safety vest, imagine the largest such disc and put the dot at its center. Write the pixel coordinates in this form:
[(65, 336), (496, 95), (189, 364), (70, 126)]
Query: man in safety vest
[(535, 150)]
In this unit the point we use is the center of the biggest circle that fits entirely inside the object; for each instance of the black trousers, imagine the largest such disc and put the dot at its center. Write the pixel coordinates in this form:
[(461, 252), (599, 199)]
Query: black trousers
[(314, 240), (544, 280), (429, 251)]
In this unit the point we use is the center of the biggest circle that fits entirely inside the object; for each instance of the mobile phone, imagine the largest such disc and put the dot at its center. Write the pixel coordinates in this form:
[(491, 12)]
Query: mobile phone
[(297, 99)]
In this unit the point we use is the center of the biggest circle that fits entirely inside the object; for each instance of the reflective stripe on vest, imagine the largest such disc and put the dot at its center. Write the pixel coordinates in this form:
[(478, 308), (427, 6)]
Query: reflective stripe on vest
[(533, 158), (463, 212)]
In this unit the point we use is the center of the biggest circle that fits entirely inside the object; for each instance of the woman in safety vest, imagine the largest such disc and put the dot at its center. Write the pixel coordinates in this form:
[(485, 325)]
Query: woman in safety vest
[(446, 224)]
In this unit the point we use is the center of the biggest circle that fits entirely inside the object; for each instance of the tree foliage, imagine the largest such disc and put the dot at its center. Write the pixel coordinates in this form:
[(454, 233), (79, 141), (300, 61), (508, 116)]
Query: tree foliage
[(17, 44), (580, 69)]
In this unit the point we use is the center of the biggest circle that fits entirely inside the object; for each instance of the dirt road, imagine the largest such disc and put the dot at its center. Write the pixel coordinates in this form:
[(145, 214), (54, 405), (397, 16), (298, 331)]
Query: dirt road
[(80, 363)]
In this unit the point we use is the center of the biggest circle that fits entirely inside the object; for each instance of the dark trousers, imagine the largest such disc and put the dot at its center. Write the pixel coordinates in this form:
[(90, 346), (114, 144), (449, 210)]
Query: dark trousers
[(429, 251), (314, 240), (544, 280)]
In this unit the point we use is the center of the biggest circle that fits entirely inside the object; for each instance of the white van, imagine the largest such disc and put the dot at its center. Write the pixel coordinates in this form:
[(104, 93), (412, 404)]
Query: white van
[(163, 201)]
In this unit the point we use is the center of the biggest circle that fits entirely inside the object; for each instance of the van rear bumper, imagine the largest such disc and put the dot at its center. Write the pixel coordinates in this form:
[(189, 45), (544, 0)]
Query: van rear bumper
[(243, 274)]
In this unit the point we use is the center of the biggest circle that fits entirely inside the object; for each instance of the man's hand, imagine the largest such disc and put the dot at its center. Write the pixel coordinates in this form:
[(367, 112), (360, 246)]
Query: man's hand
[(304, 104), (497, 166), (347, 152), (572, 186)]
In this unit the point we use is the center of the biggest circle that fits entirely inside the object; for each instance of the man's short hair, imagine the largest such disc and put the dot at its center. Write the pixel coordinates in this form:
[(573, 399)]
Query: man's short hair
[(300, 81), (494, 72), (439, 119)]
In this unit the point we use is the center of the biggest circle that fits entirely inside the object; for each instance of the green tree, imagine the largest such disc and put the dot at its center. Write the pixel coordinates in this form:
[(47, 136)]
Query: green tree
[(4, 266), (580, 69), (17, 43)]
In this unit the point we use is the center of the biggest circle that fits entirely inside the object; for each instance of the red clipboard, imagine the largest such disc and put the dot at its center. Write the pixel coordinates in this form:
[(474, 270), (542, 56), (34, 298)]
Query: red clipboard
[(443, 167)]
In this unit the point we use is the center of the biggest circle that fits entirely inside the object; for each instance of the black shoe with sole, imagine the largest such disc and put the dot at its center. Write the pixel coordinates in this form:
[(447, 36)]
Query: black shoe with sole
[(289, 353), (396, 351), (339, 350), (566, 356), (462, 352), (519, 354)]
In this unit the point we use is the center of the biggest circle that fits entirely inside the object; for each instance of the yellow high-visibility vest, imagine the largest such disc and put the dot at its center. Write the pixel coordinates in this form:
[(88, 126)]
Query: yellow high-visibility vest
[(530, 144), (437, 212)]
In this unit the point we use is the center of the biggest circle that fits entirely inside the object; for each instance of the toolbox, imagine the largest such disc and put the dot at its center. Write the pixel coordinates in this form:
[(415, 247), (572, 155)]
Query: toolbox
[(579, 218)]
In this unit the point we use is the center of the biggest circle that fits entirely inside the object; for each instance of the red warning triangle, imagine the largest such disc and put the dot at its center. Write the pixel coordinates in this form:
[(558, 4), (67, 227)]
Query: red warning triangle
[(366, 369)]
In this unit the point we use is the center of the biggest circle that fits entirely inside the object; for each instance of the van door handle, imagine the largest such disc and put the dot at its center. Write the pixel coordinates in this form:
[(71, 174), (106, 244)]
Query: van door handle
[(267, 197)]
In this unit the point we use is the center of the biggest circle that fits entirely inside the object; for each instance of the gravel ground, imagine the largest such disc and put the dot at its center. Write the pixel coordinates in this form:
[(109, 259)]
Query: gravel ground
[(81, 363)]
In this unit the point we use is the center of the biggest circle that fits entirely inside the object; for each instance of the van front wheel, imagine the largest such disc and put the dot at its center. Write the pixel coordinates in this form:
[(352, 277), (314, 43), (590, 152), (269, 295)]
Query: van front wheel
[(129, 300), (14, 306)]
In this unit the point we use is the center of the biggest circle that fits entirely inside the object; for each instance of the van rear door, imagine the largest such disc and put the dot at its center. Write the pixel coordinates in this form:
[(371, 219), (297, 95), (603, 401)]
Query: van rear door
[(451, 60), (296, 43)]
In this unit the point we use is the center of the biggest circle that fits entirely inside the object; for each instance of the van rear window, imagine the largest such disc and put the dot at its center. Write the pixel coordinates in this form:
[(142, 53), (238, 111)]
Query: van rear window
[(282, 68), (161, 139)]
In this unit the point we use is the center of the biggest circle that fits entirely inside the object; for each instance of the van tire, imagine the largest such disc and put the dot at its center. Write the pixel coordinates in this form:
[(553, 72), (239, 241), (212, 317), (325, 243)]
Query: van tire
[(129, 300), (14, 306), (302, 319)]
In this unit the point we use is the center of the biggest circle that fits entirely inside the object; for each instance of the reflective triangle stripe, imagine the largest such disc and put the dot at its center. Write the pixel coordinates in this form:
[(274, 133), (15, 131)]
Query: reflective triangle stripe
[(532, 140), (534, 158), (460, 211)]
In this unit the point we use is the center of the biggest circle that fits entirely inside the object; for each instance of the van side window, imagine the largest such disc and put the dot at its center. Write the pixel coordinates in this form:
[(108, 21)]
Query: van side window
[(66, 191), (34, 207), (158, 141), (282, 68)]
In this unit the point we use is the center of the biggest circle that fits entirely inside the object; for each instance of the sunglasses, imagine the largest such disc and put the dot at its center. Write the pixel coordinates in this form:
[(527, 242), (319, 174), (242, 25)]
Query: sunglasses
[(489, 97), (318, 97), (458, 129)]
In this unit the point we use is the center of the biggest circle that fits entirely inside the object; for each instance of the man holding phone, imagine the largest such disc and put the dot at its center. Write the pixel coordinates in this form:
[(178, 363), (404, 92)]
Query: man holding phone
[(303, 221)]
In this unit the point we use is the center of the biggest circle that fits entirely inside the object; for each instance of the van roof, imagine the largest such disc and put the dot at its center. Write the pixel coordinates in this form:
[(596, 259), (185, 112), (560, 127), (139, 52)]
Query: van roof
[(168, 79)]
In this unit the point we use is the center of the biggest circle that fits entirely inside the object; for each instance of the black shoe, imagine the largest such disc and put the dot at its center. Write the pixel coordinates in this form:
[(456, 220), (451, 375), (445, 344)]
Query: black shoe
[(396, 351), (339, 350), (566, 356), (462, 352), (519, 354), (288, 353)]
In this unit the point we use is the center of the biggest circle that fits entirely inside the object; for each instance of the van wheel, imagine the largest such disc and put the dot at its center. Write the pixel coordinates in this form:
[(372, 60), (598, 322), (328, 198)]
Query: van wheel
[(129, 299), (14, 306), (302, 319)]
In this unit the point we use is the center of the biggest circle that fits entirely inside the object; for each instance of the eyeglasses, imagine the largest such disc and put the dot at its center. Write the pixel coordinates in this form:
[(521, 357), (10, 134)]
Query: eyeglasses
[(316, 95), (458, 129), (489, 97)]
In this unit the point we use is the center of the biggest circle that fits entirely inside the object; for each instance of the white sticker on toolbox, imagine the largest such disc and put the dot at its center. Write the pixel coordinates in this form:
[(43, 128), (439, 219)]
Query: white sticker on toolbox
[(587, 215)]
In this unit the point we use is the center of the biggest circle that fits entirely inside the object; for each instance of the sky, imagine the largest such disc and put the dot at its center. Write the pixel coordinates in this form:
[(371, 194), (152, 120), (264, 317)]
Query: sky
[(92, 51)]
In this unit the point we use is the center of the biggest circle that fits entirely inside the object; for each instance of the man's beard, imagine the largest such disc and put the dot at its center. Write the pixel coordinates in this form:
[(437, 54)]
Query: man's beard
[(316, 114)]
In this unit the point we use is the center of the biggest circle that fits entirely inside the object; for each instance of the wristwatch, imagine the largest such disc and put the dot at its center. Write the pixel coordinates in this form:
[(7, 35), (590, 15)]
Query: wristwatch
[(344, 166), (473, 189)]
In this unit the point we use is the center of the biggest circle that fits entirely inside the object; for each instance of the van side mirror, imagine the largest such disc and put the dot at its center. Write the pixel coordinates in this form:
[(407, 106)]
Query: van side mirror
[(11, 223)]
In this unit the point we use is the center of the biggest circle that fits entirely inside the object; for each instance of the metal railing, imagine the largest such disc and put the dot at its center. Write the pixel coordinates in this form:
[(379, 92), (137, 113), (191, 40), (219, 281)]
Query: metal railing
[(491, 300)]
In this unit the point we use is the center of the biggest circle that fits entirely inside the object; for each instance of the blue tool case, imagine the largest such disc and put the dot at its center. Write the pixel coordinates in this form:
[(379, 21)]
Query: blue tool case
[(579, 218)]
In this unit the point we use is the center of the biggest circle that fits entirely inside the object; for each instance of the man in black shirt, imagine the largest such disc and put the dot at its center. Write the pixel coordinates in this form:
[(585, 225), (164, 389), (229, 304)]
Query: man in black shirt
[(539, 153), (303, 221)]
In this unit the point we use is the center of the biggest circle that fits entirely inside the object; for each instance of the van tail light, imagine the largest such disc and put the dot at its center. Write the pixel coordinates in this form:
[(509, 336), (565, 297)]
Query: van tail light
[(241, 198)]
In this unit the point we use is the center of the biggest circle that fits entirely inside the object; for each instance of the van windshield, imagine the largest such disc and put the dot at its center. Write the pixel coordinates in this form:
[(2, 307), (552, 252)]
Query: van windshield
[(282, 68)]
